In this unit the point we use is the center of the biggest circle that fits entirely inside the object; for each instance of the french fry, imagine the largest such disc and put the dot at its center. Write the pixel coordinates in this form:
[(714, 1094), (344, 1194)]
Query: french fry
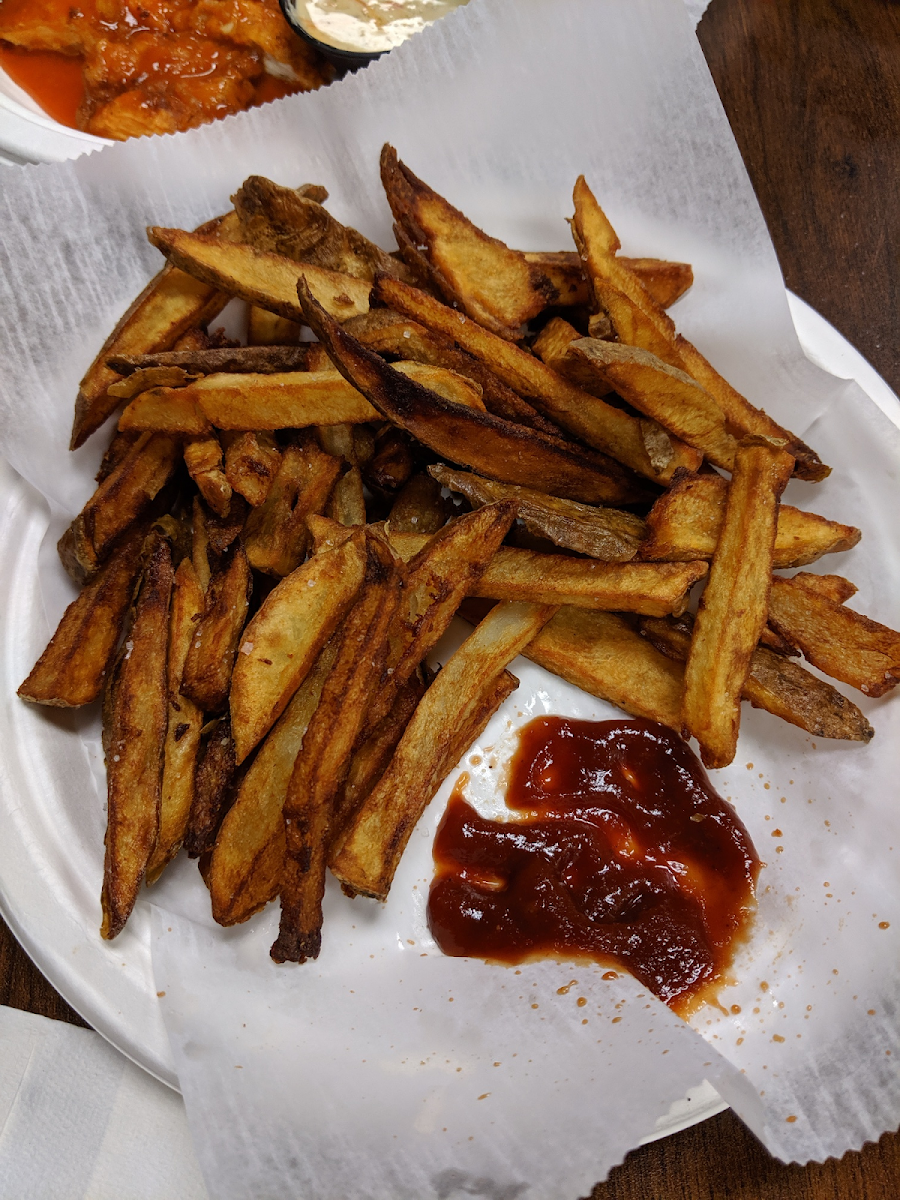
[(348, 502), (419, 507), (184, 723), (392, 464), (144, 378), (275, 534), (252, 460), (213, 788), (606, 533), (324, 756), (842, 643), (775, 684), (203, 459), (247, 863), (284, 638), (734, 605), (835, 587), (206, 675), (254, 359), (123, 496), (267, 280), (608, 429), (73, 668), (552, 347), (684, 524), (171, 410), (367, 859), (492, 446), (268, 329), (665, 281), (134, 735)]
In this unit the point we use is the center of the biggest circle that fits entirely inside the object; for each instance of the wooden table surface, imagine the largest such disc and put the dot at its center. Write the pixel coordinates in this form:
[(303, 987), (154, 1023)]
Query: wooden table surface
[(812, 90)]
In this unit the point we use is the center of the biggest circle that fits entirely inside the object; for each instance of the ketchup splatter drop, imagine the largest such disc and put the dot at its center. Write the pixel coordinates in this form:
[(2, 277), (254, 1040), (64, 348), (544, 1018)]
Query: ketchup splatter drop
[(617, 848)]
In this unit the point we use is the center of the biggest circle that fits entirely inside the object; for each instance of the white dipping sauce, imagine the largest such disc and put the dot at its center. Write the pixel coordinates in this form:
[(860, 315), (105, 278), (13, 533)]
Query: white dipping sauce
[(368, 25)]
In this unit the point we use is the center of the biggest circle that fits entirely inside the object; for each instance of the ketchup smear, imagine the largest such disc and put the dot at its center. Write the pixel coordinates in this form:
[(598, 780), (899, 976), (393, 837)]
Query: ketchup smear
[(618, 849)]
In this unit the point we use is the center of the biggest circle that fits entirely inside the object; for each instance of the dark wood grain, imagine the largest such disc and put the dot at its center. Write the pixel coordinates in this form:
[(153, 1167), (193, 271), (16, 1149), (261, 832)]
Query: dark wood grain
[(812, 90)]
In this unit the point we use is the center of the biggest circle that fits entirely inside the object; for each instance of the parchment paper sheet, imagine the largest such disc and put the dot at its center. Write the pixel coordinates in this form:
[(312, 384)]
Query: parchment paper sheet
[(499, 107)]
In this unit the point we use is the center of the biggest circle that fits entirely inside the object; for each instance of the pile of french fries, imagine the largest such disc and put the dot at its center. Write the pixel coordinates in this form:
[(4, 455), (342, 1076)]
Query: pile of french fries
[(282, 532)]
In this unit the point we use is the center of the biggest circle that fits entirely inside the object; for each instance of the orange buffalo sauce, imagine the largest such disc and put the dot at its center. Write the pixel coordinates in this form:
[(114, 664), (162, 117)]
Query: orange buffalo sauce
[(617, 848), (54, 80)]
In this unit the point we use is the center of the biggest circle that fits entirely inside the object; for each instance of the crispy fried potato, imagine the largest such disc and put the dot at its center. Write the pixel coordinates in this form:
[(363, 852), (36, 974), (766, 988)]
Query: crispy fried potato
[(347, 504), (206, 676), (684, 524), (134, 735), (392, 463), (169, 410), (665, 281), (842, 643), (733, 607), (275, 535), (552, 347), (495, 447), (72, 669), (251, 463), (267, 280), (420, 507), (367, 859), (493, 284), (775, 684), (253, 360), (606, 533), (213, 790), (268, 329), (835, 587), (203, 459), (247, 863), (184, 723), (283, 640), (614, 432), (121, 499), (144, 378), (325, 754)]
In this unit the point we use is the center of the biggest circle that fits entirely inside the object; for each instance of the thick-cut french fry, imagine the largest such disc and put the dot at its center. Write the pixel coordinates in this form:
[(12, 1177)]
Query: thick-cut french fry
[(206, 676), (145, 378), (392, 464), (367, 859), (268, 280), (552, 347), (283, 640), (733, 607), (493, 284), (203, 459), (606, 533), (775, 684), (842, 643), (169, 410), (662, 392), (248, 859), (185, 720), (116, 450), (604, 655), (650, 452), (73, 668), (120, 499), (253, 359), (275, 534), (134, 735), (213, 785), (665, 281), (639, 321), (835, 587), (348, 502), (492, 446), (266, 328), (684, 524), (325, 754), (419, 507), (251, 464), (171, 304)]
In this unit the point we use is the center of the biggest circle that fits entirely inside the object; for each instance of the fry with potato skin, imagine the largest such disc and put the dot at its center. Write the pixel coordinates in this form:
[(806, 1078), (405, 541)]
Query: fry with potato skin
[(134, 735), (251, 463), (734, 605), (203, 459), (665, 281), (255, 360), (367, 859), (72, 669), (206, 676), (212, 789), (324, 756)]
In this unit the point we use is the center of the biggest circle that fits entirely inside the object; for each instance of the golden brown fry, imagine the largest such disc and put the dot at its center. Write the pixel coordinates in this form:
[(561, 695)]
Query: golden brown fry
[(684, 524), (348, 503), (495, 447), (733, 607), (552, 347), (206, 676), (650, 452), (842, 643), (665, 281), (606, 533), (213, 784), (72, 669), (268, 329), (376, 838), (268, 280), (247, 863), (835, 587), (419, 507), (283, 640), (391, 464), (253, 359), (251, 464), (121, 499), (775, 684), (168, 410), (325, 754), (275, 535), (144, 378), (185, 721), (203, 459), (134, 735)]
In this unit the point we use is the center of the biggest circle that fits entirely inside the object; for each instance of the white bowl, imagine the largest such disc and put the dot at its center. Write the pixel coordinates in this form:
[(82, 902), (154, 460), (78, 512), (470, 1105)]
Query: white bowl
[(28, 135)]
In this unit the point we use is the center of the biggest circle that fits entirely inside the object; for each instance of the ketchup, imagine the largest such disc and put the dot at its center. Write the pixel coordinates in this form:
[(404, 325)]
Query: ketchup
[(618, 849)]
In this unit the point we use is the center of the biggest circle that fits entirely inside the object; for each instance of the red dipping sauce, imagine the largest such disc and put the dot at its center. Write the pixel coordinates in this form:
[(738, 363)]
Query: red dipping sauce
[(618, 849)]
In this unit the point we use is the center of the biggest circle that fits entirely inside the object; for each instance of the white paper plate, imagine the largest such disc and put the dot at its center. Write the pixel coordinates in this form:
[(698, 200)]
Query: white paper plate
[(44, 895), (27, 134)]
